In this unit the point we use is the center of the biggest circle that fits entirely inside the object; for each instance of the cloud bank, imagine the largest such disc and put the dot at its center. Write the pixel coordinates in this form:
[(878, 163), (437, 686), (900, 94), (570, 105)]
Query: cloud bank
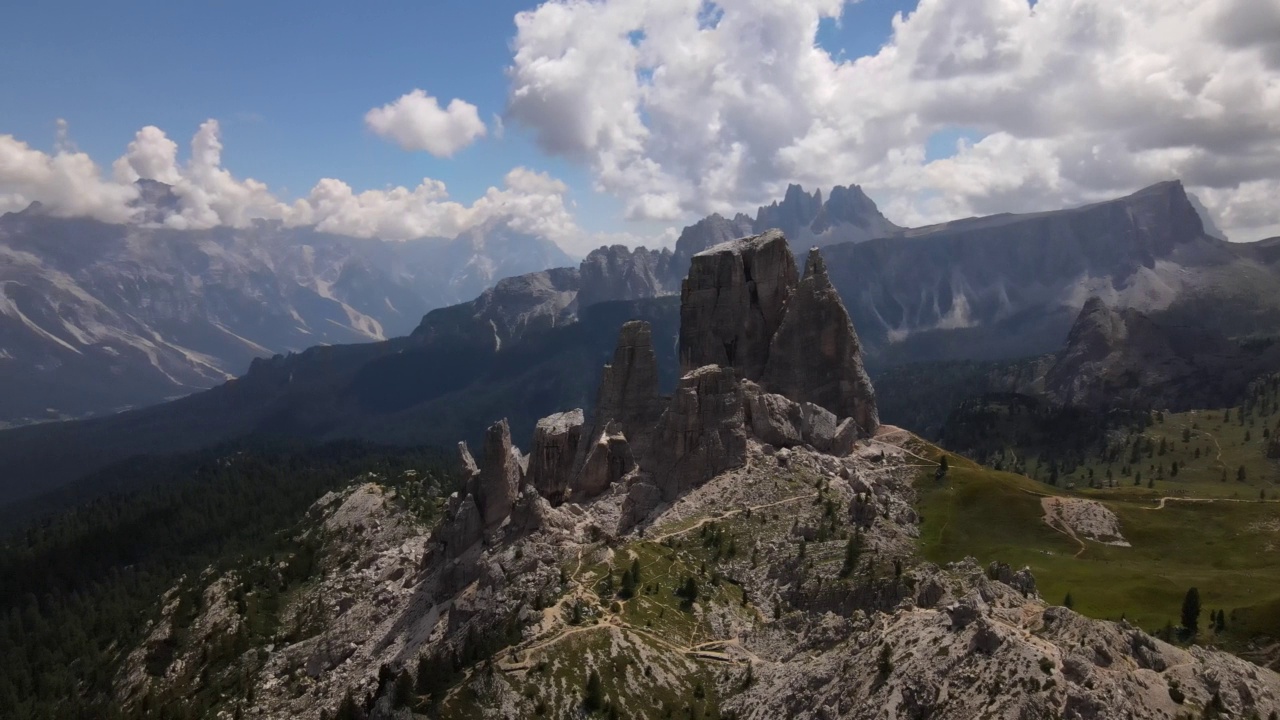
[(683, 107), (69, 183)]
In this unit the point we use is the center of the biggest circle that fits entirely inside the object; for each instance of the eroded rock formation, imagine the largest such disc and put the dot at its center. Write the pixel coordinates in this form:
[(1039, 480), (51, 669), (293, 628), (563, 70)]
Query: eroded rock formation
[(498, 483), (628, 392), (609, 459), (764, 354), (702, 433), (556, 440), (733, 302), (815, 355)]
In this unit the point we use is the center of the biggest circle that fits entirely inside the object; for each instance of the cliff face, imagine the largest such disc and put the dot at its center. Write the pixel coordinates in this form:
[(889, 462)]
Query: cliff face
[(1121, 357), (1010, 285), (733, 301)]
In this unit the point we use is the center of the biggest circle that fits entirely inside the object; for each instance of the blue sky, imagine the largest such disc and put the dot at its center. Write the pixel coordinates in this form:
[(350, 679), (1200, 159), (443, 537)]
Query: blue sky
[(965, 107), (290, 84)]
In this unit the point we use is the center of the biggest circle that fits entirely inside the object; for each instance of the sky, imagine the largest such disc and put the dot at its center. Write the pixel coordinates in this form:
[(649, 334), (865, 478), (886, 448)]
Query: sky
[(594, 121)]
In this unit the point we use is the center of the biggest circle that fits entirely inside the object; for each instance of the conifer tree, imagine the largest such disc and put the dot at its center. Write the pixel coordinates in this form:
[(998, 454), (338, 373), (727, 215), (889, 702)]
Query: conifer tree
[(1191, 611)]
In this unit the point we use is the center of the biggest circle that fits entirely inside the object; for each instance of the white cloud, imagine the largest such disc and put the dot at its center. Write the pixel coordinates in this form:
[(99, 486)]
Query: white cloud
[(208, 195), (417, 122), (68, 182), (682, 107)]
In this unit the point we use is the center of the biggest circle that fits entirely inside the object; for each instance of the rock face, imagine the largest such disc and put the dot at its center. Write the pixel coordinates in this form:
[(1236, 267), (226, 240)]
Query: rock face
[(498, 483), (815, 355), (847, 216), (732, 303), (628, 392), (617, 273), (556, 440), (701, 434), (609, 459), (784, 423), (463, 528), (1125, 358)]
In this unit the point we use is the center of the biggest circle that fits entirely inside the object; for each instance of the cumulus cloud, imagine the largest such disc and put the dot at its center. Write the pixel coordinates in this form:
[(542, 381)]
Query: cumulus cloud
[(417, 122), (207, 195), (68, 182), (682, 107)]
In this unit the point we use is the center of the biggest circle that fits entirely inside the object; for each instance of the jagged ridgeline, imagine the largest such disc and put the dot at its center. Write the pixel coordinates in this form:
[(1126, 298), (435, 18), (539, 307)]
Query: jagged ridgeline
[(747, 547)]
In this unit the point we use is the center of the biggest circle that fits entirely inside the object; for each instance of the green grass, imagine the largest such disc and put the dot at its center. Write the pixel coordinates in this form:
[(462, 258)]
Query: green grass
[(1224, 444), (1230, 551)]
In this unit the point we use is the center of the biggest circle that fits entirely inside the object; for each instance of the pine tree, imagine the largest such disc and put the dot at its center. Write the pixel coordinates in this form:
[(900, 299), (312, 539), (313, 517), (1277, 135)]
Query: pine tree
[(852, 550), (1241, 475), (884, 663), (1191, 612), (628, 589), (593, 697), (403, 690), (1068, 601)]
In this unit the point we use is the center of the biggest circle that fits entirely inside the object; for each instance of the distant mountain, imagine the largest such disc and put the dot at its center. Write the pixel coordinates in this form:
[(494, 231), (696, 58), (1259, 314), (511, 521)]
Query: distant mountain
[(1010, 286), (1000, 288), (95, 317), (1124, 358), (846, 216)]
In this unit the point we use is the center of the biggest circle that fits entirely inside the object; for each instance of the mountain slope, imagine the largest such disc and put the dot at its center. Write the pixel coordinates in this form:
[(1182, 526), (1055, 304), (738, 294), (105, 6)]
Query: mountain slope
[(94, 317), (1011, 285)]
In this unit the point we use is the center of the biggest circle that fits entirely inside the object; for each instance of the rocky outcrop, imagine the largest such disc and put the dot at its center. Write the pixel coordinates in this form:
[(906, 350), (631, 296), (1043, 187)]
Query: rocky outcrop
[(609, 459), (733, 302), (462, 528), (556, 440), (701, 434), (498, 484), (469, 467), (784, 423), (618, 273), (847, 216), (707, 233), (628, 393), (815, 356), (1121, 357)]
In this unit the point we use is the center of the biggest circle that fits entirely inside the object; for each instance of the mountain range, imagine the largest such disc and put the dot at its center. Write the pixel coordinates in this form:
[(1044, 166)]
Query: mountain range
[(1003, 287), (96, 317)]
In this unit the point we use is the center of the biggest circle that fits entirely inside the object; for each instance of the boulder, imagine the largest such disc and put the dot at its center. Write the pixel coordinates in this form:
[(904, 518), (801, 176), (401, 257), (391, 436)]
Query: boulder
[(774, 419), (817, 426), (555, 447), (701, 434), (732, 303), (846, 438), (816, 357), (500, 475), (780, 422), (643, 497), (608, 460)]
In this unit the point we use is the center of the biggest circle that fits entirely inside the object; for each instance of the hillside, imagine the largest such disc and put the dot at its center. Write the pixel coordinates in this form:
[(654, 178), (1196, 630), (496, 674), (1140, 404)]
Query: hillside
[(95, 317)]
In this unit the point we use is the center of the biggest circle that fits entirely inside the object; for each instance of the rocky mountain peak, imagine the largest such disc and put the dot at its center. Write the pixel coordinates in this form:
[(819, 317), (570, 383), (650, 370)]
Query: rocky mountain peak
[(746, 318), (1125, 357), (732, 303)]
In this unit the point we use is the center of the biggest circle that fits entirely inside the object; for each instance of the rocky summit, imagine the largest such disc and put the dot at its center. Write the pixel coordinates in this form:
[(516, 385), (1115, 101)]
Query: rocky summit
[(748, 547)]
